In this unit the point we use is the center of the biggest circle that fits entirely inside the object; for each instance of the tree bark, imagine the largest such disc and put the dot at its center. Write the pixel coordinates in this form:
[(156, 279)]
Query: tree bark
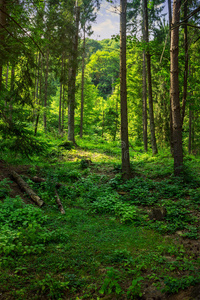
[(185, 81), (63, 109), (190, 131), (61, 96), (46, 89), (39, 94), (174, 83), (170, 107), (72, 77), (144, 88), (60, 207), (2, 35), (148, 59), (25, 188), (126, 170), (82, 85)]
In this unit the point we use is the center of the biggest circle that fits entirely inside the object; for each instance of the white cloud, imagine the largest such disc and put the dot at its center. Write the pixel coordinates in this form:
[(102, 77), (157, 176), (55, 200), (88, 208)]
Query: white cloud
[(107, 23), (106, 29)]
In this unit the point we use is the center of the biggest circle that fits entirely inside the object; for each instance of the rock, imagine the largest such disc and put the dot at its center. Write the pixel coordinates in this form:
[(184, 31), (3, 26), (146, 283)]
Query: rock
[(157, 213)]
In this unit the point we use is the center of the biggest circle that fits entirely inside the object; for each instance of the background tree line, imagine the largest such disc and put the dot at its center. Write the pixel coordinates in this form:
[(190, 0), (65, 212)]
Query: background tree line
[(55, 80)]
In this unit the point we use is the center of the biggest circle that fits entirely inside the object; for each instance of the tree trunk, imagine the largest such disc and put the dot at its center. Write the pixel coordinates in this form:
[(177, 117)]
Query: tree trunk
[(103, 121), (144, 104), (63, 109), (82, 85), (72, 78), (2, 35), (186, 62), (126, 170), (116, 123), (190, 131), (148, 59), (174, 83), (39, 95), (61, 95), (25, 188), (7, 72), (144, 87), (46, 90), (170, 107)]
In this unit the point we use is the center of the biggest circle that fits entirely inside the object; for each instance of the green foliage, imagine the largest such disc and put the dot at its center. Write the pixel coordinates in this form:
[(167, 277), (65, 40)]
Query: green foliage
[(50, 287), (111, 282), (22, 229), (4, 187), (135, 289), (173, 285)]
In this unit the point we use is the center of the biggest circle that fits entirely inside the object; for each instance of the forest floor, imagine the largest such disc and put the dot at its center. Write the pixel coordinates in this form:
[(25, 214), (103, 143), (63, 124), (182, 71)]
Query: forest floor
[(106, 246)]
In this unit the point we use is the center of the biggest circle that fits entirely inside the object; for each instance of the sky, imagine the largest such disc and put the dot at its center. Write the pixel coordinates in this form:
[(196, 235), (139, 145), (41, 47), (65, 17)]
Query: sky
[(107, 22)]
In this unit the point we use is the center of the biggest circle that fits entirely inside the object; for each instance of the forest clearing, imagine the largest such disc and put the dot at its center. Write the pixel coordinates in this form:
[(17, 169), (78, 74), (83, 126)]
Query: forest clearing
[(107, 245), (99, 150)]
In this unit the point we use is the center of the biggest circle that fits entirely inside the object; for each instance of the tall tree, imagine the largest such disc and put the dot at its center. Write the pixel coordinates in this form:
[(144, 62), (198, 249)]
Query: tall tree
[(170, 107), (174, 83), (185, 80), (73, 63), (2, 34), (82, 84), (148, 59), (126, 170), (144, 90)]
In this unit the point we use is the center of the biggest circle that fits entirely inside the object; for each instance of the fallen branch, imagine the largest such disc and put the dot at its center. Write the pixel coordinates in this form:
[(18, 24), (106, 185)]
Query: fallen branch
[(25, 188), (59, 203), (58, 185)]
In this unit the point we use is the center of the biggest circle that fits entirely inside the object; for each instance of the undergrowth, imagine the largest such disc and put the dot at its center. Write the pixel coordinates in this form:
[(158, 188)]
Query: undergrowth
[(106, 243)]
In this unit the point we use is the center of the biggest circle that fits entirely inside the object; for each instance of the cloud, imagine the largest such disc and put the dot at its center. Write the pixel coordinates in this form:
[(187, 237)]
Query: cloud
[(107, 22), (106, 28)]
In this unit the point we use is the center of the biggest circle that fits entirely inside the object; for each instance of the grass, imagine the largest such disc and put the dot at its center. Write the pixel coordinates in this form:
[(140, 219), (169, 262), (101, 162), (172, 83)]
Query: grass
[(105, 245)]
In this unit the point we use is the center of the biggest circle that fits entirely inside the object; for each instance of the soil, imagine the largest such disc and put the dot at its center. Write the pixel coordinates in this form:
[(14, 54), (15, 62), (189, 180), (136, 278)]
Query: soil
[(150, 292)]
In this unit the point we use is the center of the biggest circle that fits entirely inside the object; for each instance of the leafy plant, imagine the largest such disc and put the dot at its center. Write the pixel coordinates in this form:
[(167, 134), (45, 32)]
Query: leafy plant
[(135, 289), (111, 282), (4, 187)]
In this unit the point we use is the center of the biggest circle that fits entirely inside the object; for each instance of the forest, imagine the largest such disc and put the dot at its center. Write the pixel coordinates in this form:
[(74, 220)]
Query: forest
[(99, 151)]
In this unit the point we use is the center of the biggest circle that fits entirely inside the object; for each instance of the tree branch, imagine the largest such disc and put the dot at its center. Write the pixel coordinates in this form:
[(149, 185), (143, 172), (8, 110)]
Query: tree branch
[(22, 29)]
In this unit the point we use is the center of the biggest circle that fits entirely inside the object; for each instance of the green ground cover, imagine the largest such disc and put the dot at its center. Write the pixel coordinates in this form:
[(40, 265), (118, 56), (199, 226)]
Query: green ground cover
[(106, 246)]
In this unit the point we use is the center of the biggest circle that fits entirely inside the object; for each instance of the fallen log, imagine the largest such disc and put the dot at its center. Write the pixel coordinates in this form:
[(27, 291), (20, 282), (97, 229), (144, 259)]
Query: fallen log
[(25, 188), (59, 203), (58, 185)]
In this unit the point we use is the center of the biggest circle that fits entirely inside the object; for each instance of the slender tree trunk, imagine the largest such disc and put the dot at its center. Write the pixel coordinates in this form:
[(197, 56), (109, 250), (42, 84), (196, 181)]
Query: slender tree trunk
[(144, 87), (174, 83), (46, 90), (82, 85), (39, 95), (2, 35), (148, 59), (103, 121), (72, 78), (170, 107), (190, 131), (7, 72), (63, 109), (185, 81), (126, 170), (144, 104), (12, 86), (61, 95), (116, 124)]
